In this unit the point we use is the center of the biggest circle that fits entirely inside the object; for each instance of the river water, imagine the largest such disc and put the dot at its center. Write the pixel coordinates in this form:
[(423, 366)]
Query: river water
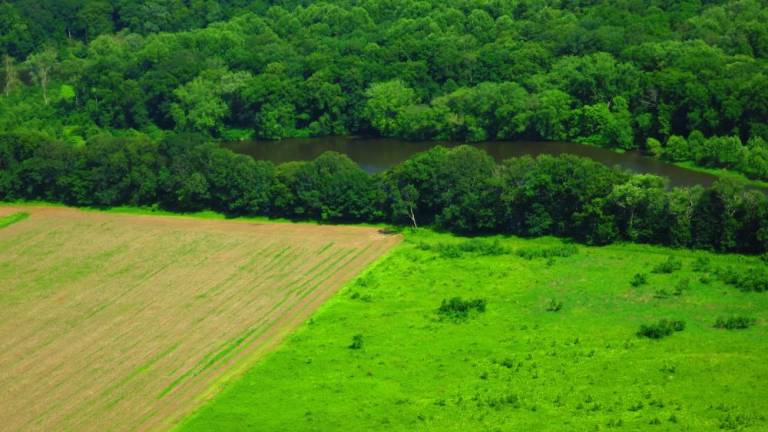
[(377, 154)]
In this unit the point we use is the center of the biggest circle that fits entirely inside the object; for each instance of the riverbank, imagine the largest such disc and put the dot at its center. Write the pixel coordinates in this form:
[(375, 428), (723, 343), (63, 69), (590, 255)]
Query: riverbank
[(378, 154)]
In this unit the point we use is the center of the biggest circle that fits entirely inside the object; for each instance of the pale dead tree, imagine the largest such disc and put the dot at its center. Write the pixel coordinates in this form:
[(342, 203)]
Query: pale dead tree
[(11, 74), (41, 64), (410, 197)]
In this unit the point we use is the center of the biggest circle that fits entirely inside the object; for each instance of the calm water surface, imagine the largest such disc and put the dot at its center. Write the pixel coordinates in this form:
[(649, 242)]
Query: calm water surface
[(377, 154)]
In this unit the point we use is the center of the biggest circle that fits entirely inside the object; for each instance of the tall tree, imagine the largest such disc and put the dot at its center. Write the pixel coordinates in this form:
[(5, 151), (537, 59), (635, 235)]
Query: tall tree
[(41, 65)]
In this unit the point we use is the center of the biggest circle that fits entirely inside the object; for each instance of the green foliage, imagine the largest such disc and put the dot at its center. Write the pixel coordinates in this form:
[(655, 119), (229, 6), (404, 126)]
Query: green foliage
[(562, 251), (357, 342), (605, 73), (752, 279), (638, 280), (671, 265), (461, 190), (458, 309), (661, 329), (734, 323), (554, 305)]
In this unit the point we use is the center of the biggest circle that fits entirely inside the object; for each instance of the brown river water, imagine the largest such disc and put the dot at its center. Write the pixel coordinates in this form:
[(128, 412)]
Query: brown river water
[(377, 154)]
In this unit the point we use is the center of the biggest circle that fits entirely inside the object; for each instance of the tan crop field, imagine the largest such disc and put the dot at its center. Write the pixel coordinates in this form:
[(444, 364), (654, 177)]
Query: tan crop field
[(124, 322)]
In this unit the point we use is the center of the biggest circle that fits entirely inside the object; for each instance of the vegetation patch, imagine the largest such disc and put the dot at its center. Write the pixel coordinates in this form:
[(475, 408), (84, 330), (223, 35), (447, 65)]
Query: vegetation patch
[(671, 265), (750, 279), (12, 219), (734, 323), (562, 251), (661, 329), (581, 368), (481, 247), (456, 308)]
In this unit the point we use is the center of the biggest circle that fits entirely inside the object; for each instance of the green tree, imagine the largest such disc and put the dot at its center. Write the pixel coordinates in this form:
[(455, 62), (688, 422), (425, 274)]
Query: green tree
[(384, 102)]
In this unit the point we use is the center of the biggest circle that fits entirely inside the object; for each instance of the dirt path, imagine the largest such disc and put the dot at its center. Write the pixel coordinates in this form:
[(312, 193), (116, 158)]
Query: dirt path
[(122, 322)]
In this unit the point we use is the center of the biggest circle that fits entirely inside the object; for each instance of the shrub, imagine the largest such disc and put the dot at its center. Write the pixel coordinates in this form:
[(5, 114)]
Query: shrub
[(480, 247), (752, 279), (458, 308), (682, 286), (638, 280), (661, 329), (562, 251), (702, 264), (734, 323), (357, 342), (671, 265), (554, 305)]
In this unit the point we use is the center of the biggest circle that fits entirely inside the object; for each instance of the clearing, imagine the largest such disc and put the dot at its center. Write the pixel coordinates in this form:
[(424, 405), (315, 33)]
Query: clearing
[(126, 322), (554, 347)]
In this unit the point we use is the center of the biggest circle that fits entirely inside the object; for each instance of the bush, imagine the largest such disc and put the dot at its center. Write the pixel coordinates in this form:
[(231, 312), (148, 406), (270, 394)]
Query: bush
[(357, 342), (457, 308), (562, 251), (682, 286), (702, 264), (661, 329), (480, 247), (752, 279), (554, 305), (671, 265), (639, 280), (734, 323)]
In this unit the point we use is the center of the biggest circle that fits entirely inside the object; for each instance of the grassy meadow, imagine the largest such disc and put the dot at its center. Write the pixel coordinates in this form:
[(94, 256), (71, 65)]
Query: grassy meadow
[(544, 343)]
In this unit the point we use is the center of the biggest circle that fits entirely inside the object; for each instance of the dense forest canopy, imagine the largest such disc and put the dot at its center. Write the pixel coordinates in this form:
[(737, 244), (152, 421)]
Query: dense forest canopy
[(684, 80)]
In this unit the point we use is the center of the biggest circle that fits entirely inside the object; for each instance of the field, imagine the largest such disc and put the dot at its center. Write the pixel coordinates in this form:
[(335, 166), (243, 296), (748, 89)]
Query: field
[(556, 348), (127, 322)]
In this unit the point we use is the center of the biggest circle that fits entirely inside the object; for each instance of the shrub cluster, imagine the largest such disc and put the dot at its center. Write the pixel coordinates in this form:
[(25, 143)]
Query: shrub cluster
[(750, 279), (734, 323), (480, 247), (671, 265), (563, 251), (457, 308), (661, 329), (639, 280)]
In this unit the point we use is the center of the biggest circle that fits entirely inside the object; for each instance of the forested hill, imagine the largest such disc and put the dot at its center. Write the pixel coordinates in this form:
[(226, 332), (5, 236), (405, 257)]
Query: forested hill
[(665, 76)]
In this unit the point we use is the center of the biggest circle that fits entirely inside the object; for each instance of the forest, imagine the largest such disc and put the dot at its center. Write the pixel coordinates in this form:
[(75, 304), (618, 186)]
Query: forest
[(461, 190), (685, 81)]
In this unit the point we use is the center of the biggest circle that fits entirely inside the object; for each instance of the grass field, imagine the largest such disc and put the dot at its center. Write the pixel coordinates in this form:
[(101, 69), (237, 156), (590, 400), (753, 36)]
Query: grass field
[(127, 322), (556, 348)]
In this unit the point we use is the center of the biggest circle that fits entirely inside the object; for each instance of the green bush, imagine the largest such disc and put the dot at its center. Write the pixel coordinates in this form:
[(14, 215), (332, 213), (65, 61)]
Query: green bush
[(562, 251), (702, 264), (481, 247), (639, 280), (671, 265), (554, 305), (457, 308), (357, 342), (752, 279), (661, 329), (734, 323)]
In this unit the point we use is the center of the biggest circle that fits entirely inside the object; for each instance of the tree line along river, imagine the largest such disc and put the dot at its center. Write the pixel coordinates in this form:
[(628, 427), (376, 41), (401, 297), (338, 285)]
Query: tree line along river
[(378, 154)]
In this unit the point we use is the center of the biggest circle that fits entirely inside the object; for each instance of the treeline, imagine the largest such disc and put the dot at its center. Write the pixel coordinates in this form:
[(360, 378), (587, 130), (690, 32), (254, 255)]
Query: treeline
[(462, 190), (622, 74)]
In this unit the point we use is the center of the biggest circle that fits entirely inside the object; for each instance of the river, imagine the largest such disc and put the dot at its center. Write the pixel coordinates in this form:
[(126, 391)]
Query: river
[(377, 154)]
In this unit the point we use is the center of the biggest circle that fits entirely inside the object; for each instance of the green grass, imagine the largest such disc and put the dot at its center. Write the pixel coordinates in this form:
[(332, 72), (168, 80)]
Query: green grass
[(12, 219), (723, 173), (520, 364)]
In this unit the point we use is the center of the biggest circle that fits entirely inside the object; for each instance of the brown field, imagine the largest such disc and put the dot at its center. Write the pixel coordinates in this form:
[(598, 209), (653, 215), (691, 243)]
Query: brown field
[(122, 322)]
